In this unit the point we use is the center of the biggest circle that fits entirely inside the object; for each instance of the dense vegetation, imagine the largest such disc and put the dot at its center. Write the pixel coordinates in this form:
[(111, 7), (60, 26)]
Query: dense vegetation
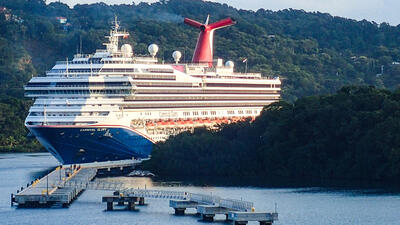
[(13, 136), (314, 53), (353, 134)]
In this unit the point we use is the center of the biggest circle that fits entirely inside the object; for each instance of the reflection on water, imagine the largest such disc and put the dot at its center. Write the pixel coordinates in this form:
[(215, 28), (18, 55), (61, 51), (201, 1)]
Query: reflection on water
[(315, 203)]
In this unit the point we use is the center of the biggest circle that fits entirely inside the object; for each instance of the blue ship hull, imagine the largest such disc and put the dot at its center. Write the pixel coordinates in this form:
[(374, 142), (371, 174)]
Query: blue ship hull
[(74, 145)]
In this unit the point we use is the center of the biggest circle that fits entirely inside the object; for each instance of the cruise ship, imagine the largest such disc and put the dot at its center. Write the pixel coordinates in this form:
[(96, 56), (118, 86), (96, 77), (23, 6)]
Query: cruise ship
[(114, 105)]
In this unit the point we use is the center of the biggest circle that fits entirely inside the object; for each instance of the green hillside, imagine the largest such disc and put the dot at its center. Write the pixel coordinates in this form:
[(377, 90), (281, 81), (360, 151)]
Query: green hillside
[(353, 134), (313, 53)]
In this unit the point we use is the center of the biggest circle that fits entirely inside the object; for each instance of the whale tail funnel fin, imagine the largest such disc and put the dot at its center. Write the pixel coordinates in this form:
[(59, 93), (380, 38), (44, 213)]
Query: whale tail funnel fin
[(204, 47)]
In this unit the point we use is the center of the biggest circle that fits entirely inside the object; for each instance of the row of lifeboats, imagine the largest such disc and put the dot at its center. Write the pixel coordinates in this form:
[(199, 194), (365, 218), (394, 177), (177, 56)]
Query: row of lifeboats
[(193, 123)]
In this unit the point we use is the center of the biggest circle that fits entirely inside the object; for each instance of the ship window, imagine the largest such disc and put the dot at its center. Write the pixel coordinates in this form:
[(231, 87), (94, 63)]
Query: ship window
[(195, 113), (240, 111), (204, 113), (231, 112), (248, 111), (213, 113), (186, 113)]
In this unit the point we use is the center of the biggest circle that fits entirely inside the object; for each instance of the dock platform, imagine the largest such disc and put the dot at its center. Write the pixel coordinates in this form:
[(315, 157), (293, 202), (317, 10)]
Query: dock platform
[(46, 191), (65, 183)]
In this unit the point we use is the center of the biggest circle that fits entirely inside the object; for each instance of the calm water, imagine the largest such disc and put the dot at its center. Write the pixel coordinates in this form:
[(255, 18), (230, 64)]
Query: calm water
[(295, 205)]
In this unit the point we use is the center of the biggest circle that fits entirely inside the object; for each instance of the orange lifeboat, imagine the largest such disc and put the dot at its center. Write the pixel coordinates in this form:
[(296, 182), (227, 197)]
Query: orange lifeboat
[(161, 123), (150, 124), (170, 123)]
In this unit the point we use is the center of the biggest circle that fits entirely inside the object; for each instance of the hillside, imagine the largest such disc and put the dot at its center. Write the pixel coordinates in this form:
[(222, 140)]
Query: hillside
[(314, 53), (353, 134)]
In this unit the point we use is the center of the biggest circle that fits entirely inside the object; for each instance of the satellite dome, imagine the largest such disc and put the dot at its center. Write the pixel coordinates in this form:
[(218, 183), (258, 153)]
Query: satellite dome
[(177, 56), (126, 50), (153, 49), (230, 64)]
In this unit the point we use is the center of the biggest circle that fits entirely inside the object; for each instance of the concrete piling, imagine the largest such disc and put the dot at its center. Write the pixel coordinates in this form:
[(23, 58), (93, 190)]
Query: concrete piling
[(131, 206), (208, 217), (121, 203), (141, 201), (110, 206), (180, 211)]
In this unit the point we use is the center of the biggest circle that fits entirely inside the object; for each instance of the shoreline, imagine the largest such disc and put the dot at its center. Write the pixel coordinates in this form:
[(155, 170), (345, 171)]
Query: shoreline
[(10, 152), (281, 182)]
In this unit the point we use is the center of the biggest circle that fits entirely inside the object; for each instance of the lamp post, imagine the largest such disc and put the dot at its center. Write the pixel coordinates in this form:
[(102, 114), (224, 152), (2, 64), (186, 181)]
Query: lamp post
[(245, 61)]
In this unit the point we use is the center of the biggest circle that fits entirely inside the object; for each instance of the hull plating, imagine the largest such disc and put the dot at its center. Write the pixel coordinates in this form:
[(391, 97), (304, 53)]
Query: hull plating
[(73, 145)]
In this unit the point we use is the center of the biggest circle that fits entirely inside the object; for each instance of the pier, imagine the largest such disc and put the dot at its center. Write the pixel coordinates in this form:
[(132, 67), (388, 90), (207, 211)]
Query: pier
[(64, 184), (207, 206), (61, 186)]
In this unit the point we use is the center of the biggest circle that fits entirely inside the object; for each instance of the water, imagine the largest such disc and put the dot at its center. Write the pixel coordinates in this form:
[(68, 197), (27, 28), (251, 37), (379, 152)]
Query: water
[(309, 206)]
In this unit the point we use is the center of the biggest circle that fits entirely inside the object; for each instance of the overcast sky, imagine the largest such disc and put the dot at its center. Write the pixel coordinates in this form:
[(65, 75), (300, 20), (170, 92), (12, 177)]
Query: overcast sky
[(372, 10)]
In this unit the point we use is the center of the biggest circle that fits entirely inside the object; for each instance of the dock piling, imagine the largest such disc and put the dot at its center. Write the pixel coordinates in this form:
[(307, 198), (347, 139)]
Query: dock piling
[(179, 211), (110, 206), (131, 206), (141, 201), (265, 223), (121, 203), (208, 217)]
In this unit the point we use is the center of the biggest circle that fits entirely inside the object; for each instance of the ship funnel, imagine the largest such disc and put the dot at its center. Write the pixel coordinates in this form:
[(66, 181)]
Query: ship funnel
[(204, 47)]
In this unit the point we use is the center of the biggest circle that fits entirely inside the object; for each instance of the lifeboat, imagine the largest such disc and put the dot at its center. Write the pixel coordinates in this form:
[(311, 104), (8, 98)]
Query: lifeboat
[(181, 123), (150, 125), (170, 124), (207, 121)]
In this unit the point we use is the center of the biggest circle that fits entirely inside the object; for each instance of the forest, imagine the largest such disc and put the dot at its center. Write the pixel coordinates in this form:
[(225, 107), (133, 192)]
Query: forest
[(313, 53), (352, 134)]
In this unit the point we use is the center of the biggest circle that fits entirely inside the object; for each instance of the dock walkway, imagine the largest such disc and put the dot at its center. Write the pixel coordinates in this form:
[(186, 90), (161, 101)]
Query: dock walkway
[(61, 186)]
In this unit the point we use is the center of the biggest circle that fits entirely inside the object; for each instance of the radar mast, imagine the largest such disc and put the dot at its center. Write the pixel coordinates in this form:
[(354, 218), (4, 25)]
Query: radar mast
[(115, 34)]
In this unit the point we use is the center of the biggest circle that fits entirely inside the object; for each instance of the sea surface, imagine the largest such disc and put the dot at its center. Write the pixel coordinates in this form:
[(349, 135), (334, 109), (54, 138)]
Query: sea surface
[(295, 205)]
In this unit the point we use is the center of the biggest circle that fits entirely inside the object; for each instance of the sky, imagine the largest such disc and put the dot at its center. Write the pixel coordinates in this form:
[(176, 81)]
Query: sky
[(372, 10)]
